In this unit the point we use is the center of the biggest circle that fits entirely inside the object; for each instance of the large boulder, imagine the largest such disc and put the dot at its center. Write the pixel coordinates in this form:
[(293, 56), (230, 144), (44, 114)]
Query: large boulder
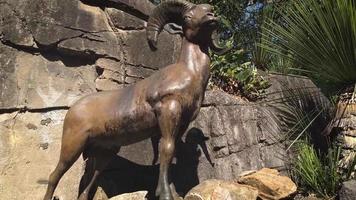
[(140, 195), (100, 194), (221, 190), (348, 190), (270, 185)]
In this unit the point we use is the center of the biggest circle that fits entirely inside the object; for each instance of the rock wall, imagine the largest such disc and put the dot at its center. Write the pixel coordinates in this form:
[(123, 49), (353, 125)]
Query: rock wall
[(54, 52), (347, 136)]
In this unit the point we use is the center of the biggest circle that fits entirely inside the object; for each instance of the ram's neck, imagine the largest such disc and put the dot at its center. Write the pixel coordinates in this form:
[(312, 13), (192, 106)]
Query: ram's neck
[(196, 58)]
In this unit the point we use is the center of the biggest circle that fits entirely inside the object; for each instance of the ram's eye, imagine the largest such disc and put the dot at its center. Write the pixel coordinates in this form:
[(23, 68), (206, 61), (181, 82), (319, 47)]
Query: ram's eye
[(187, 17)]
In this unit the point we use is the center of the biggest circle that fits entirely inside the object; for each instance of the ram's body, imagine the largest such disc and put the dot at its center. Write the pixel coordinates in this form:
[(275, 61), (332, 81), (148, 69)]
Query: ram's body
[(125, 116)]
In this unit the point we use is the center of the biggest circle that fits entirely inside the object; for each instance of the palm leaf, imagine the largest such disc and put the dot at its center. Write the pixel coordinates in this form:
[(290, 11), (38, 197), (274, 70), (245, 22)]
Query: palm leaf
[(320, 37), (303, 112)]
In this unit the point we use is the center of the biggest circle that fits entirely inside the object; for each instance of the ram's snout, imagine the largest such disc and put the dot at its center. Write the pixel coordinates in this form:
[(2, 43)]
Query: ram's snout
[(210, 19)]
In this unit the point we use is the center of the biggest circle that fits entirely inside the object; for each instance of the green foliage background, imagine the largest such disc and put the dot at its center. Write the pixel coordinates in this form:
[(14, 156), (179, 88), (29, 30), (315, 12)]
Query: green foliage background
[(237, 71), (316, 38), (319, 40)]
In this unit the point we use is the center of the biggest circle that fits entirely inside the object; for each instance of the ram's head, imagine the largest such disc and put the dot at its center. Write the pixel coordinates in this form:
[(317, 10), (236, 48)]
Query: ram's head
[(197, 23)]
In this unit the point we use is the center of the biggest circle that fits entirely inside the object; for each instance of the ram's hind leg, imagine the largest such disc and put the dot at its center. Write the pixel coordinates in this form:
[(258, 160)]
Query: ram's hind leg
[(70, 151), (169, 117), (100, 159)]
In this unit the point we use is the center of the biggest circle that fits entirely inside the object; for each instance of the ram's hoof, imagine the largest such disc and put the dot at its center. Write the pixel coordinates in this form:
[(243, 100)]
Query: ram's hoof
[(158, 191), (166, 197)]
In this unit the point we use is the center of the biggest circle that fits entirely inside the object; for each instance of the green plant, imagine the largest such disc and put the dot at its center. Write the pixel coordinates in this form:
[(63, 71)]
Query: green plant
[(303, 112), (317, 39), (238, 78), (320, 38), (231, 13), (262, 57), (317, 172), (315, 167), (237, 70)]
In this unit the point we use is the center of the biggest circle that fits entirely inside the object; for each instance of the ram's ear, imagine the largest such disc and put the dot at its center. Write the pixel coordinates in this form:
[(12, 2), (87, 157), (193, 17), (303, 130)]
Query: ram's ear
[(173, 28)]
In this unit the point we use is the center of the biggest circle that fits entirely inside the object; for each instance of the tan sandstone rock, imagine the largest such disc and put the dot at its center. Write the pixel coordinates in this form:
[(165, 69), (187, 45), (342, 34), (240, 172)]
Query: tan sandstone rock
[(100, 194), (221, 190), (140, 195), (29, 151), (270, 184)]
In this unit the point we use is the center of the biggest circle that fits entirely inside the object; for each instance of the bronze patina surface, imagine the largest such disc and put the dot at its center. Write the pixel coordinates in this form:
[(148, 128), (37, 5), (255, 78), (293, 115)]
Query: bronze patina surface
[(163, 104)]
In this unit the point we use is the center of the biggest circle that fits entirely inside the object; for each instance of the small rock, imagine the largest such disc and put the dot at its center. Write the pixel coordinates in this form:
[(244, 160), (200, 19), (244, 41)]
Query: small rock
[(302, 197), (140, 195), (348, 157), (221, 190), (44, 146), (100, 194), (246, 173), (349, 142), (348, 190), (31, 126), (45, 122), (270, 184)]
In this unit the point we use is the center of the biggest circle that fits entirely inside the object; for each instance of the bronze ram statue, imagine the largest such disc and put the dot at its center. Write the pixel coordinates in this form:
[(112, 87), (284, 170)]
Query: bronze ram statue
[(163, 104)]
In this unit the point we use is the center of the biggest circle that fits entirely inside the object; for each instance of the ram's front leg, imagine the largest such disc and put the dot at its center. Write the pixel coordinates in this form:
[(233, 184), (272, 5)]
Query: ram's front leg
[(169, 115)]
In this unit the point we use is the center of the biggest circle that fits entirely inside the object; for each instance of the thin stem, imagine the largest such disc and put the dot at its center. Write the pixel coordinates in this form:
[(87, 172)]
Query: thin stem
[(353, 98)]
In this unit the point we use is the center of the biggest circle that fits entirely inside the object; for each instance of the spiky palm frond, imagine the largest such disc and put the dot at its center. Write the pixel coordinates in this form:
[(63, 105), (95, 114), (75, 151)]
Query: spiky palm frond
[(320, 36), (303, 112)]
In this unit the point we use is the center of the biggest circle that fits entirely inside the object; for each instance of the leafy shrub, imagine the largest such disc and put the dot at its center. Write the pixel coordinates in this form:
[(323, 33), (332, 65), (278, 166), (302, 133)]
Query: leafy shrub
[(315, 163), (238, 78), (234, 72)]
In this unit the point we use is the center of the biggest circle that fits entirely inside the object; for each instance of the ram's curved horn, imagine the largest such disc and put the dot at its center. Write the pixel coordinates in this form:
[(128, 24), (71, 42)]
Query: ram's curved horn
[(216, 47), (170, 11)]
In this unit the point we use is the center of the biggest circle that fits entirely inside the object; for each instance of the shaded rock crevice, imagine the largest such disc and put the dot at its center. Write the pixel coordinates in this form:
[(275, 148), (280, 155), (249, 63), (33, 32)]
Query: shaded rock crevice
[(138, 9), (32, 110), (69, 57), (88, 56), (28, 49)]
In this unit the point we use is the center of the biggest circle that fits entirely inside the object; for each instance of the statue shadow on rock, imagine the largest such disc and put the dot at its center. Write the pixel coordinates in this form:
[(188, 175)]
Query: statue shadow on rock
[(124, 176)]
